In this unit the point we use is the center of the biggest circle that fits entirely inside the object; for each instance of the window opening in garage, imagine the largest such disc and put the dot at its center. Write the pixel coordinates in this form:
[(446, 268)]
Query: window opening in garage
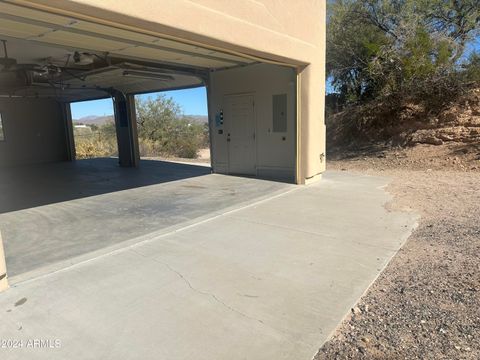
[(173, 125), (94, 129)]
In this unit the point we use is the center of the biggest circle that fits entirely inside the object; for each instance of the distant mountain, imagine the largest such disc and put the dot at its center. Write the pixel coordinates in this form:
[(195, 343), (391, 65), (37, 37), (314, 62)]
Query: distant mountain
[(94, 120), (101, 120)]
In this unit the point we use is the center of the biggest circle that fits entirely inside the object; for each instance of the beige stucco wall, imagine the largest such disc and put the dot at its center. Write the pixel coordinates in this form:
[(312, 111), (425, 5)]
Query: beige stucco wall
[(275, 30), (281, 29), (34, 132), (311, 117), (275, 157)]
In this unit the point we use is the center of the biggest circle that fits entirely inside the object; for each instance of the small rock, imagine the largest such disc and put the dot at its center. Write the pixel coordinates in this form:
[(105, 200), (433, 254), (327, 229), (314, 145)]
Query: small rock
[(433, 141), (356, 310)]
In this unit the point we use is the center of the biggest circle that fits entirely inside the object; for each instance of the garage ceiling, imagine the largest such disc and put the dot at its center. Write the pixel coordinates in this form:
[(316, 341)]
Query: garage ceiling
[(42, 38), (41, 27)]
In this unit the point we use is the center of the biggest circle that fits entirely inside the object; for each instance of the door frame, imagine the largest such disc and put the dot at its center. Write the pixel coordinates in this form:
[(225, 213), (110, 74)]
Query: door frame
[(252, 94)]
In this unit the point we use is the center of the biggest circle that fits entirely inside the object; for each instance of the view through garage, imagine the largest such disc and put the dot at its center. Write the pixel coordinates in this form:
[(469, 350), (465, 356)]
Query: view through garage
[(54, 207)]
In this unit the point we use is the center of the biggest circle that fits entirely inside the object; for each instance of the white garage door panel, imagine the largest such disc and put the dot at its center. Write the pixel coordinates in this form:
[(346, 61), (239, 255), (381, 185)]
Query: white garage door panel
[(82, 41), (20, 30), (111, 31), (65, 31), (34, 14), (148, 53)]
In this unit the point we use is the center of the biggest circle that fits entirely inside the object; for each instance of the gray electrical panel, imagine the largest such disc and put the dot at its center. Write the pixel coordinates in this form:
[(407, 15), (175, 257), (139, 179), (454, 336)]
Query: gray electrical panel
[(280, 113)]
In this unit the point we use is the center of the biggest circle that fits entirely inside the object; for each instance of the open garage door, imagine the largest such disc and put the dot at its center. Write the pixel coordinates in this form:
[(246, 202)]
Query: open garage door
[(50, 60), (70, 33), (55, 59)]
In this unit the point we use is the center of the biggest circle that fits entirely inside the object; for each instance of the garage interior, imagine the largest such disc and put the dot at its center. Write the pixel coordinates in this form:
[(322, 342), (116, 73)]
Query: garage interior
[(51, 203)]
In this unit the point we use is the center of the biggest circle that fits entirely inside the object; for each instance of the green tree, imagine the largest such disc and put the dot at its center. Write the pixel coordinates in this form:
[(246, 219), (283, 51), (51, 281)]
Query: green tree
[(107, 131), (157, 117), (381, 48), (162, 125), (352, 45)]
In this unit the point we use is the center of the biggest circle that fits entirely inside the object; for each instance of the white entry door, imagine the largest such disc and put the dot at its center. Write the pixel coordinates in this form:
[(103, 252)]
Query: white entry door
[(239, 120)]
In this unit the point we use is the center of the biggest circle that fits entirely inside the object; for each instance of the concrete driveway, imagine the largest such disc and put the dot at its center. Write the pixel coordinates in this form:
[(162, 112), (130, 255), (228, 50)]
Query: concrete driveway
[(268, 279), (54, 214)]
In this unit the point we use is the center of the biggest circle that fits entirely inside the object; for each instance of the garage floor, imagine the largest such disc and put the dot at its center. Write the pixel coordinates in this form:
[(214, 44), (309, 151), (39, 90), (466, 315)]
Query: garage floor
[(268, 279), (52, 214)]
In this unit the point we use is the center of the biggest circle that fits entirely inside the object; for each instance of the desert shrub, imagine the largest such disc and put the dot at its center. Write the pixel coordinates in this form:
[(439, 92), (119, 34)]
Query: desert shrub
[(184, 142), (149, 148), (471, 68), (95, 142), (107, 132), (163, 131), (93, 148)]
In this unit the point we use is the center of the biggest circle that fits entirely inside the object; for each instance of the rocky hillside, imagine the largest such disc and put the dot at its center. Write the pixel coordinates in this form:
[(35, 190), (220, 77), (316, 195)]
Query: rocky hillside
[(405, 122)]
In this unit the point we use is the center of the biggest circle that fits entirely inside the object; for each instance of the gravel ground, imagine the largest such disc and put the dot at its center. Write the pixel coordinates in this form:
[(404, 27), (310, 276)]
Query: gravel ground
[(426, 304)]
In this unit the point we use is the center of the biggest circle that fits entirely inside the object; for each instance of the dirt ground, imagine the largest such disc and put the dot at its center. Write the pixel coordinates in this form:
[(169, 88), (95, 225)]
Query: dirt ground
[(203, 157), (426, 304)]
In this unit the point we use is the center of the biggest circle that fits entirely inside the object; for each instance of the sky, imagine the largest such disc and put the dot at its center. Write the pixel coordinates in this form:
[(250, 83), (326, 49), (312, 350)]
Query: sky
[(473, 46), (192, 101)]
